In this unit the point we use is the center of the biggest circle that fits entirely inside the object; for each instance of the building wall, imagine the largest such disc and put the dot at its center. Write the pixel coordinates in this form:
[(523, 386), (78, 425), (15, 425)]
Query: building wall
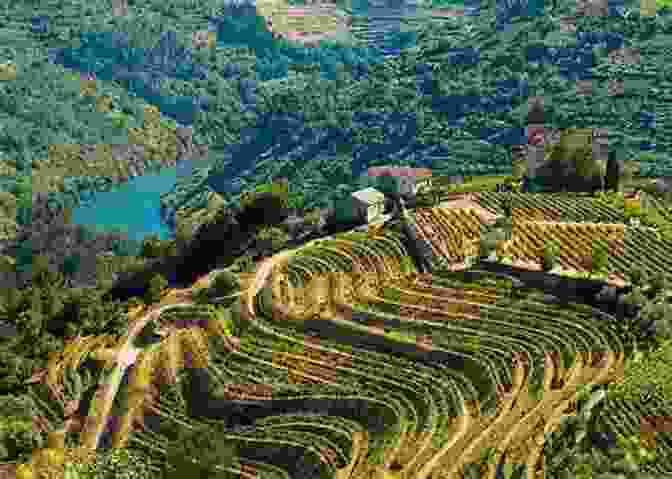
[(367, 212)]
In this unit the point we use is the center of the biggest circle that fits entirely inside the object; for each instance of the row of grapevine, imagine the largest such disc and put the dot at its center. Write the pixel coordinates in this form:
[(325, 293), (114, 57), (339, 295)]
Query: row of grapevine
[(377, 260), (500, 329), (576, 241), (349, 339), (451, 233), (551, 207)]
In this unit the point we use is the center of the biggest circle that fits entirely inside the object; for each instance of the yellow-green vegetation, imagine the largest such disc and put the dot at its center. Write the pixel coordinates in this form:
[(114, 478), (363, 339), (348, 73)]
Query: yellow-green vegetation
[(7, 71), (157, 136), (401, 336), (647, 371), (107, 266), (576, 147), (8, 208), (188, 220), (276, 237), (474, 184), (277, 188)]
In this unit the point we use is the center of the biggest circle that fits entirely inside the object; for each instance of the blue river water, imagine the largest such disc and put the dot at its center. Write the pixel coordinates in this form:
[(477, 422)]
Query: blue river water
[(133, 207)]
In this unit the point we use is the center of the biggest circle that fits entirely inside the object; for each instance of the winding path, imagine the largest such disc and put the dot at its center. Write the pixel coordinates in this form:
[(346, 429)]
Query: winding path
[(103, 399)]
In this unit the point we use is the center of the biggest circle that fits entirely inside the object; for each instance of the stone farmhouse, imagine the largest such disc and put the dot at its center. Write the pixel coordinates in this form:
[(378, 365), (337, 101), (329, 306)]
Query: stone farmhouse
[(362, 206)]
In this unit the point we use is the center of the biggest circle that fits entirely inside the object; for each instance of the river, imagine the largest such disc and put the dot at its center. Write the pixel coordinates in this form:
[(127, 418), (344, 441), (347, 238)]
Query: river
[(133, 207)]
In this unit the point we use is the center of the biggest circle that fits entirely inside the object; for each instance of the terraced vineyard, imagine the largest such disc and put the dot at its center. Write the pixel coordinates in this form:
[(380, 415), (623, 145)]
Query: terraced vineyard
[(575, 240), (342, 361), (551, 207), (466, 374), (454, 234), (451, 233)]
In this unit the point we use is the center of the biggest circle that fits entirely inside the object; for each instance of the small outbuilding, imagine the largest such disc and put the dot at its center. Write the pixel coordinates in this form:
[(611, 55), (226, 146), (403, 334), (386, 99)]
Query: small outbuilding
[(362, 206)]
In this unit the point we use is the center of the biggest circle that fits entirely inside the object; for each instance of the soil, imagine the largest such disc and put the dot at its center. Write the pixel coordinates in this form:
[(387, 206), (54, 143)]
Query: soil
[(7, 471), (467, 201), (312, 39)]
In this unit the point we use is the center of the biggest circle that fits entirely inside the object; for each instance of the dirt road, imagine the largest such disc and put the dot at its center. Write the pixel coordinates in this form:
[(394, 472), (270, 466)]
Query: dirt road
[(101, 405)]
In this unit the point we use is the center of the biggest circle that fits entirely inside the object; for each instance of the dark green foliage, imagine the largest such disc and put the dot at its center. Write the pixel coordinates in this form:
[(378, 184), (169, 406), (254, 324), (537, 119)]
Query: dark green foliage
[(264, 209), (613, 172), (550, 255), (658, 283), (636, 275), (71, 265), (225, 283), (199, 453), (117, 464), (18, 437), (151, 247), (486, 246), (157, 284), (599, 259)]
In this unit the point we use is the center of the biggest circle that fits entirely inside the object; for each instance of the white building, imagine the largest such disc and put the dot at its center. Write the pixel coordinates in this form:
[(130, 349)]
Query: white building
[(362, 206), (368, 204)]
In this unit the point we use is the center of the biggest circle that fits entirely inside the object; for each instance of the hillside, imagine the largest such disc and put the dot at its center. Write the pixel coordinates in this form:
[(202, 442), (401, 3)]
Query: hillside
[(339, 359), (515, 326), (87, 82), (448, 98)]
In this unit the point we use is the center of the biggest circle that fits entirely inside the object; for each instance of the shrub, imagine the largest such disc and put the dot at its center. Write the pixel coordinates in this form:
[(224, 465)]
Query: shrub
[(486, 246), (155, 288), (199, 453), (225, 284), (636, 276), (115, 463), (550, 255)]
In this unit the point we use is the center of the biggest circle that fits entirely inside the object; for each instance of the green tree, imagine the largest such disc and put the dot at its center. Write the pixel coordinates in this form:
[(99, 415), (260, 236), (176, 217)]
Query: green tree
[(572, 159), (199, 453), (7, 264), (157, 284), (599, 259), (661, 315), (151, 247), (658, 283), (18, 437), (387, 183), (244, 264), (486, 246), (225, 283), (116, 464), (274, 236), (550, 255), (169, 248), (183, 233), (312, 217), (70, 267), (636, 275), (40, 269)]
